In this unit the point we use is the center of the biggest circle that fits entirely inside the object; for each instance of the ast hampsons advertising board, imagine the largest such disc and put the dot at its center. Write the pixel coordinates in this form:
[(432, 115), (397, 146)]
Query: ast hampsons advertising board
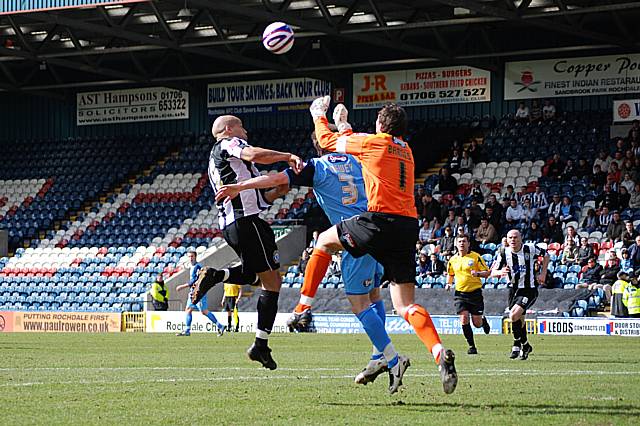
[(586, 76), (131, 105)]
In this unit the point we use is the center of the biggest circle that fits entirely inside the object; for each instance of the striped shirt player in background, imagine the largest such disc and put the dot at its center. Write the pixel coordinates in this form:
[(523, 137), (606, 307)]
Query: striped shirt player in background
[(517, 261), (202, 303), (339, 188), (232, 161), (388, 230)]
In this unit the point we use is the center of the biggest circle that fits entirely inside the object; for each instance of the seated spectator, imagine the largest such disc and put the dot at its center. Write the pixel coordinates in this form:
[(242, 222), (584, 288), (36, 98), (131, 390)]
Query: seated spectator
[(486, 232), (335, 265), (623, 198), (454, 161), (418, 200), (539, 200), (603, 161), (508, 193), (569, 171), (634, 200), (515, 216), (522, 195), (629, 235), (475, 152), (495, 205), (583, 169), (554, 207), (466, 162), (566, 210), (476, 210), (447, 183), (470, 219), (456, 206), (552, 232), (478, 191), (451, 220), (585, 251), (447, 244), (302, 262), (625, 263), (461, 228), (614, 173), (590, 273), (435, 267), (530, 213), (431, 208), (555, 167), (571, 234), (635, 127), (535, 114), (628, 166), (569, 253), (615, 228), (533, 232), (609, 276), (423, 265), (427, 234), (522, 113), (618, 158), (590, 222), (493, 218), (634, 255), (627, 182), (604, 219), (599, 177), (548, 110)]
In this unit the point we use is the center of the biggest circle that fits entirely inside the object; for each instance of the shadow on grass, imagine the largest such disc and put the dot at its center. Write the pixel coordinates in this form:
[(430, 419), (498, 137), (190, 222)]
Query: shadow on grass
[(520, 408)]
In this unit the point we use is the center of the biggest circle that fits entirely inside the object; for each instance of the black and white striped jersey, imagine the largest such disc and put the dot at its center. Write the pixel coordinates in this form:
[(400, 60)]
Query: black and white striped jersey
[(225, 168), (521, 264)]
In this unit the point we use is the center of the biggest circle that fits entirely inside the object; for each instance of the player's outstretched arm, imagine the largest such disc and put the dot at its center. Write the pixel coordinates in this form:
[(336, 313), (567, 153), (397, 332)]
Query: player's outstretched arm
[(229, 192), (268, 156)]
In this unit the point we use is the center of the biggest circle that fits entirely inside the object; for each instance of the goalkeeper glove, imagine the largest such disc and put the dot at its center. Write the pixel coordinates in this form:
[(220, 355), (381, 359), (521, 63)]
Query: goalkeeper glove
[(340, 114), (319, 107)]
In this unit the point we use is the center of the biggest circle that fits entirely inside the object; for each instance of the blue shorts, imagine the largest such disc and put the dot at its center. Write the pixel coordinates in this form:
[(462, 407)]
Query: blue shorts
[(201, 306), (360, 275)]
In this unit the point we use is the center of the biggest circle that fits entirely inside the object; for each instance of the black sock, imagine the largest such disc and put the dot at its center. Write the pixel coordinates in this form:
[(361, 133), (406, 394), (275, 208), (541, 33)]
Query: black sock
[(468, 334), (237, 276), (229, 322), (516, 328), (523, 335), (267, 311)]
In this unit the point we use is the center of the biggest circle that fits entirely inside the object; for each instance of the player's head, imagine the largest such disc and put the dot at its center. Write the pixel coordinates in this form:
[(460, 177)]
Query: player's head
[(316, 145), (462, 243), (227, 126), (193, 257), (514, 239), (392, 119)]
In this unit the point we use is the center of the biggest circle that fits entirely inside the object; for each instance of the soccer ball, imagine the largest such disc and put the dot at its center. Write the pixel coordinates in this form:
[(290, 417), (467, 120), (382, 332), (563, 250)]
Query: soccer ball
[(277, 38)]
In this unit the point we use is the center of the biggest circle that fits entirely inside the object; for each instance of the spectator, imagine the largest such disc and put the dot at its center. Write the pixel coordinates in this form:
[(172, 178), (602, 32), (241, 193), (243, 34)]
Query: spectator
[(427, 234), (435, 266), (530, 213), (634, 200), (603, 161), (475, 151), (423, 265), (548, 110), (590, 222), (623, 198), (569, 253), (585, 251), (634, 254), (569, 171), (635, 126), (419, 200), (599, 177), (431, 208), (494, 218), (590, 273), (515, 215), (522, 195), (466, 162), (582, 169), (455, 206), (539, 200), (566, 210), (509, 193), (159, 294), (476, 210), (314, 239), (552, 232), (336, 264), (533, 232), (302, 262), (555, 167), (535, 114), (625, 263), (618, 158), (454, 161), (446, 183), (461, 228), (629, 235), (608, 277), (486, 232), (478, 192), (451, 220), (572, 235), (470, 219), (614, 173), (522, 113), (495, 205), (616, 228), (607, 198), (554, 207), (447, 243), (604, 219), (627, 182)]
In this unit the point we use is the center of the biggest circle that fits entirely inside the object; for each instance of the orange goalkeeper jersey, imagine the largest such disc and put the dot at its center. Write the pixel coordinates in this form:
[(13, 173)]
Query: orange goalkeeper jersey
[(387, 167)]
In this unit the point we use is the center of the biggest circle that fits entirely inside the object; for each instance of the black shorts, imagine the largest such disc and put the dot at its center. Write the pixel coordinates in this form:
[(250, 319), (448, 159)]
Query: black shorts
[(229, 304), (255, 243), (471, 301), (389, 239), (524, 297)]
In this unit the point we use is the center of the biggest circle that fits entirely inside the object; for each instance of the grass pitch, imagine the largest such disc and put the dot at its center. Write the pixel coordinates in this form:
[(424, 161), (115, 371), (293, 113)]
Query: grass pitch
[(162, 379)]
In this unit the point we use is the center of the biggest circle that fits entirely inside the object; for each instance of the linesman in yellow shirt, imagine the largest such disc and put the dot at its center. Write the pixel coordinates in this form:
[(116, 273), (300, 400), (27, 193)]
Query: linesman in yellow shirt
[(466, 268), (232, 294)]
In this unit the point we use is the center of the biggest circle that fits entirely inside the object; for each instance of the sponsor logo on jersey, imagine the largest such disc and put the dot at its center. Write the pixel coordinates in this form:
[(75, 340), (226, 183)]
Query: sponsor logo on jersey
[(470, 262), (367, 283), (276, 256), (337, 158), (349, 239)]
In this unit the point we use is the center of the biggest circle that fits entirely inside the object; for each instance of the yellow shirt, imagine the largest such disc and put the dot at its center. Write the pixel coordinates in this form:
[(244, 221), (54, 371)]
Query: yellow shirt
[(460, 267), (231, 290)]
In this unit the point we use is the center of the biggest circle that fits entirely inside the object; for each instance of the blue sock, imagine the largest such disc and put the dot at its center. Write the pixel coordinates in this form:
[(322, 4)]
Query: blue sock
[(374, 328), (189, 317), (214, 320), (379, 307)]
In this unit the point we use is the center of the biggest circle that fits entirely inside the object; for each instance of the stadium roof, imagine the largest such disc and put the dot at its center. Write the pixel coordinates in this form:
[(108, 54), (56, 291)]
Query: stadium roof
[(175, 42)]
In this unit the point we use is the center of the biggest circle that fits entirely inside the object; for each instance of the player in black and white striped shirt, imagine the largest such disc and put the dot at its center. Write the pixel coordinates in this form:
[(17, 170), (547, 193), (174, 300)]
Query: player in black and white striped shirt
[(232, 161), (517, 261)]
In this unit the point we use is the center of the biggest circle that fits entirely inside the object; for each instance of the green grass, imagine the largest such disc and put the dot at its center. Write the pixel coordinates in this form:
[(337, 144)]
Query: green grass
[(150, 379)]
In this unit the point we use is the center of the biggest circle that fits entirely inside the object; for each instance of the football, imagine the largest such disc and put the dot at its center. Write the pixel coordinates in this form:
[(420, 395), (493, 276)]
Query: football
[(277, 38)]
